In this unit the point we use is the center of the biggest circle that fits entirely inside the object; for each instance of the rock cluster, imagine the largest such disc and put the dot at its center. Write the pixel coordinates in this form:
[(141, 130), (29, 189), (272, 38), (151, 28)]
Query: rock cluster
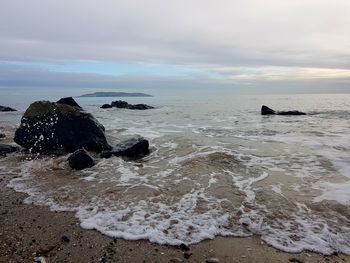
[(124, 105), (6, 109), (60, 127)]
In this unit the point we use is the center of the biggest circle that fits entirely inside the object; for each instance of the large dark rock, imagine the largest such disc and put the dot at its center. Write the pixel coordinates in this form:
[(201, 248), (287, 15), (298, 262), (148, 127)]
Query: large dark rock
[(80, 159), (69, 101), (6, 148), (2, 135), (132, 148), (5, 109), (47, 126), (268, 111), (106, 106)]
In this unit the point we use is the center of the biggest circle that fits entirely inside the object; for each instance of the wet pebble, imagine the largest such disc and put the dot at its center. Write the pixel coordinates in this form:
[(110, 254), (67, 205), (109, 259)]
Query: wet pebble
[(295, 260), (184, 247), (65, 238), (187, 255)]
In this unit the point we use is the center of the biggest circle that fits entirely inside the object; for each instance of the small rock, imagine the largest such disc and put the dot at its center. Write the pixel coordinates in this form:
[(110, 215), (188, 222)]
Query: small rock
[(187, 255), (132, 148), (184, 247), (106, 106), (140, 107), (39, 260), (292, 112), (2, 135), (295, 260), (6, 148), (65, 238), (80, 159), (6, 109), (267, 111), (120, 104)]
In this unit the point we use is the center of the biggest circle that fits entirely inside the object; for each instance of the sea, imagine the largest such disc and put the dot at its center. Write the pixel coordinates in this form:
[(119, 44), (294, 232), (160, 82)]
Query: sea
[(217, 167)]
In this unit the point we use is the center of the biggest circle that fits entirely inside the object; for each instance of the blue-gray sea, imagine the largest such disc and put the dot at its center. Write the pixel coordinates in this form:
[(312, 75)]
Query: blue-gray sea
[(217, 167)]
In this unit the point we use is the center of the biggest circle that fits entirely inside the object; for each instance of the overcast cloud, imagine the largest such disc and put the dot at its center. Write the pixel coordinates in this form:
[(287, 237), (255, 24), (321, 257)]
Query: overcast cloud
[(228, 41)]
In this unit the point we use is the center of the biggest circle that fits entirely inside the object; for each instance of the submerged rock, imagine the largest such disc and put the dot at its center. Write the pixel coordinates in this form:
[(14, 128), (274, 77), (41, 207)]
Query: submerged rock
[(106, 106), (80, 159), (47, 126), (124, 105), (69, 101), (132, 148), (120, 104), (6, 148), (268, 111), (293, 112), (140, 107), (5, 109)]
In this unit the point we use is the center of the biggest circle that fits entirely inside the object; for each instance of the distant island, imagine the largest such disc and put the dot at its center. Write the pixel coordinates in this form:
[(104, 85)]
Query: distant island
[(115, 94)]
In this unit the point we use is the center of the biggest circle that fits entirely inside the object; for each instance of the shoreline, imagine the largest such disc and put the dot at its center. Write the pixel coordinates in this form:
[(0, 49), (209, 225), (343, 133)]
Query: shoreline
[(30, 230)]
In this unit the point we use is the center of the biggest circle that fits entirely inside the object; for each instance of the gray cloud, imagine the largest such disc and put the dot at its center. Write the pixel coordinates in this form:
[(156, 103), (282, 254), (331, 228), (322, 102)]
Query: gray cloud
[(253, 43), (251, 32)]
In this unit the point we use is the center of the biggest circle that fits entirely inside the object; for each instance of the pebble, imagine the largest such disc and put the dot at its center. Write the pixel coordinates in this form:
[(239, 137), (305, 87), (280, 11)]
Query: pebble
[(295, 260), (65, 238), (184, 247), (212, 260), (187, 255)]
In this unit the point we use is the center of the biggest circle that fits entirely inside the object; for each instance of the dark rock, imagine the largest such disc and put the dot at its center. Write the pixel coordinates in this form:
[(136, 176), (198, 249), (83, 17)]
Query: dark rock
[(47, 126), (267, 111), (132, 148), (140, 107), (184, 247), (124, 105), (187, 255), (2, 135), (295, 260), (6, 148), (65, 238), (106, 106), (69, 101), (80, 159), (120, 104), (5, 109), (294, 112)]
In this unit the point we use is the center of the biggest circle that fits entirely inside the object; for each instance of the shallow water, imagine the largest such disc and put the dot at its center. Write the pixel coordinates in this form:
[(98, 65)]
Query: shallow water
[(217, 167)]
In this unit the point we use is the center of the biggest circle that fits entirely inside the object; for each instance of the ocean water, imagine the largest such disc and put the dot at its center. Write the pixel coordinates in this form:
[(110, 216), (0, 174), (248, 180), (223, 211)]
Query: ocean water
[(217, 167)]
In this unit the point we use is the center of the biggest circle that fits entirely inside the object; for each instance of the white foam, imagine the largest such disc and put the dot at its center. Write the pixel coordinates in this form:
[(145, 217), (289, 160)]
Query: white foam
[(334, 192)]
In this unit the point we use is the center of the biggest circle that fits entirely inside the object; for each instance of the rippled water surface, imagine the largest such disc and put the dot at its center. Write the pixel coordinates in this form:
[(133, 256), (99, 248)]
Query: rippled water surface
[(217, 167)]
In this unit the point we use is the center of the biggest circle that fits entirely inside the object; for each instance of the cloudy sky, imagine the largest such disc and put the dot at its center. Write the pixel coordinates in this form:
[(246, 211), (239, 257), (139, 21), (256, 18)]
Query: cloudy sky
[(133, 44)]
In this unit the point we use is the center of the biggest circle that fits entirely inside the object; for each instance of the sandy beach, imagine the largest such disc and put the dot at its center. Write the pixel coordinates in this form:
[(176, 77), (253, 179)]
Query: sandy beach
[(29, 231)]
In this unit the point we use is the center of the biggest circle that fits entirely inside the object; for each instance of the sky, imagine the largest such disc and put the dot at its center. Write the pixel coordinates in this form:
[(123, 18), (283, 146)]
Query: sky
[(260, 45)]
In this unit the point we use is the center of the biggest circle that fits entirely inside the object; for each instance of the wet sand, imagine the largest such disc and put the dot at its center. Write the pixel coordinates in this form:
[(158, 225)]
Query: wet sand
[(29, 231)]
